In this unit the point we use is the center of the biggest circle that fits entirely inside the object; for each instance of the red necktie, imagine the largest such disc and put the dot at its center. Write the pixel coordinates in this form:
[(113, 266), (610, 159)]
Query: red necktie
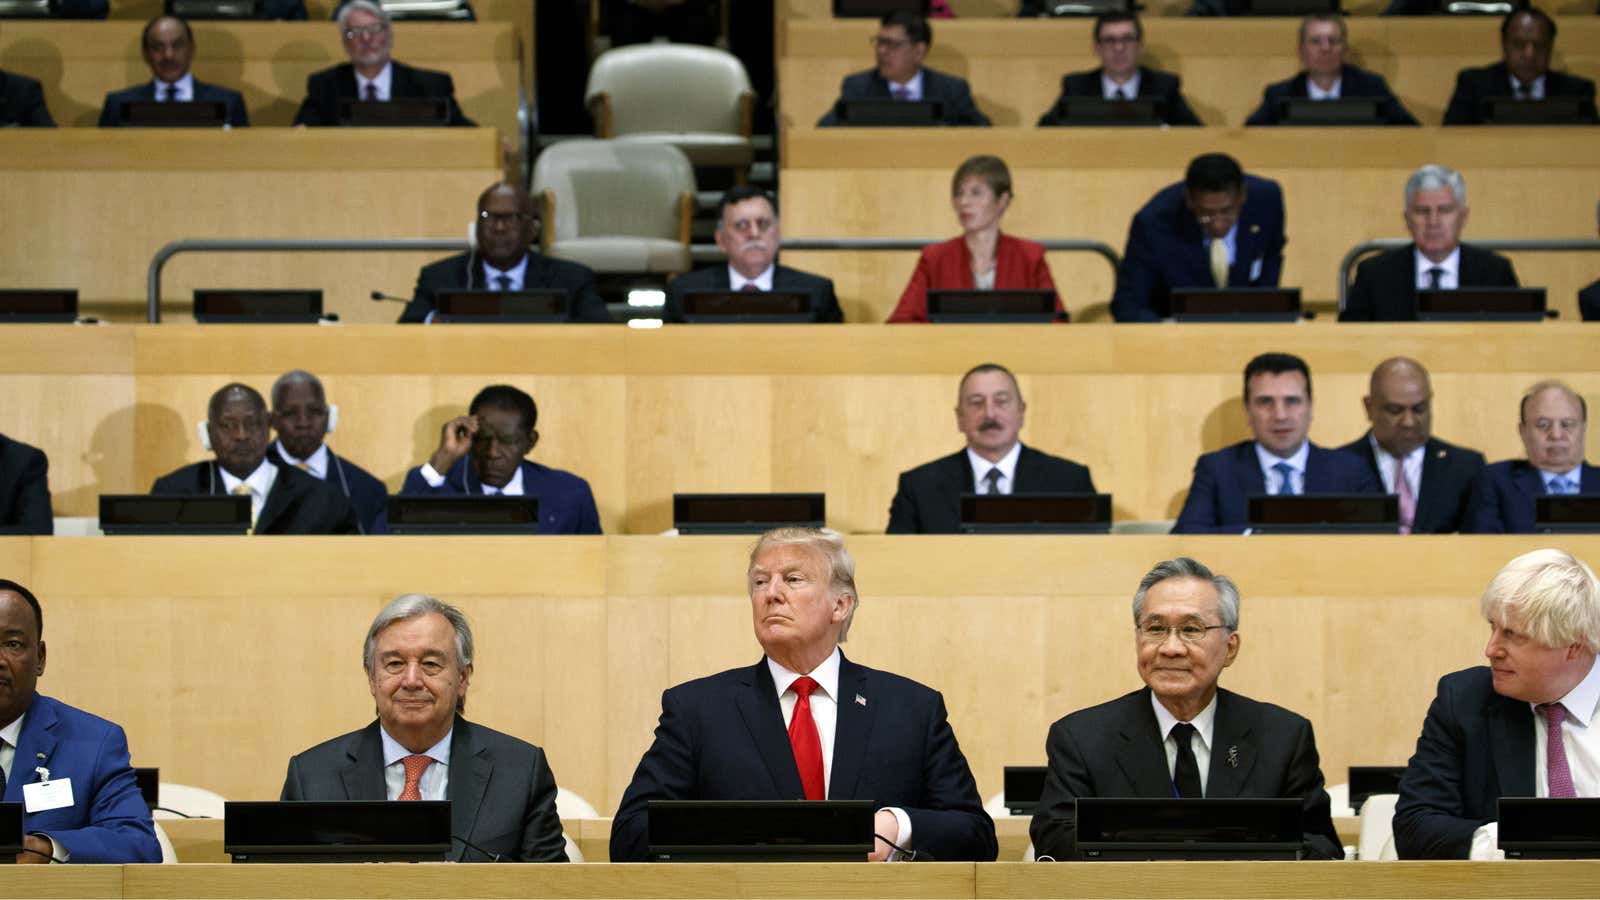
[(415, 766), (805, 741)]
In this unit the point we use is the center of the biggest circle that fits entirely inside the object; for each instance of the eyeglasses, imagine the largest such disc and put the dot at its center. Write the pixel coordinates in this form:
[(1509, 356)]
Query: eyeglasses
[(516, 218), (366, 31), (1117, 40), (888, 43), (1188, 632)]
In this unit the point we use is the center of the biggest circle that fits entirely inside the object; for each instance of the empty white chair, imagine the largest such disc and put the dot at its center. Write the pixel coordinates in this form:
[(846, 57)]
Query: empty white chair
[(1377, 828), (183, 800), (616, 206)]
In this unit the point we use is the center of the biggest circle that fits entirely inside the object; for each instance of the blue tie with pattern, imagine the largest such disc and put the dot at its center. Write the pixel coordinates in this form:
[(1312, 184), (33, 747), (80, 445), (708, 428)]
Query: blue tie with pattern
[(1285, 481), (1560, 485)]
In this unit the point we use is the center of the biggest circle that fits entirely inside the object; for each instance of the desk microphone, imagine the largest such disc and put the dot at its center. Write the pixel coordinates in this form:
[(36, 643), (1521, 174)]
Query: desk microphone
[(379, 295)]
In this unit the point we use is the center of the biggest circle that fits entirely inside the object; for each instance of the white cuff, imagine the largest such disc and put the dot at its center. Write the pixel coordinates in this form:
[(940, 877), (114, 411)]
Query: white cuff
[(433, 478)]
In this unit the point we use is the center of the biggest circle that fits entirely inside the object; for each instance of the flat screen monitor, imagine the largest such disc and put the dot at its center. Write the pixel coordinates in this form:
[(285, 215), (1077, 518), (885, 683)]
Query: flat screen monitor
[(397, 113), (760, 830), (891, 113), (746, 513), (1076, 8), (303, 831), (1341, 111), (1236, 304), (142, 514), (1478, 304), (1022, 787), (1567, 514), (992, 307), (1368, 780), (10, 832), (1324, 513), (1550, 828), (747, 307), (1549, 111), (214, 9), (1100, 111), (154, 114), (149, 781), (1168, 828), (257, 307), (463, 514), (540, 305), (1290, 7), (1035, 513), (26, 9), (23, 305), (861, 9)]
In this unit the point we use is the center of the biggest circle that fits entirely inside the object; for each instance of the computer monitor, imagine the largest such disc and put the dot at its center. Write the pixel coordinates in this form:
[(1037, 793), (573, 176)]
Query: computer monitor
[(746, 513), (1549, 827), (1340, 111), (1567, 514), (257, 307), (999, 307), (891, 113), (1549, 111), (397, 113), (303, 831), (1102, 112), (1052, 513), (760, 830), (11, 834), (214, 9), (1168, 828), (1022, 787), (862, 9), (1290, 7), (746, 307), (1324, 513), (1481, 304), (540, 305), (155, 114), (1368, 780), (29, 306), (1236, 304), (142, 514), (463, 514)]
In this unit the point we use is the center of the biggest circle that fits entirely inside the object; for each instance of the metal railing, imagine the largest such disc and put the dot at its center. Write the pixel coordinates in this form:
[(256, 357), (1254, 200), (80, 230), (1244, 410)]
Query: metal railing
[(1381, 244), (1067, 244)]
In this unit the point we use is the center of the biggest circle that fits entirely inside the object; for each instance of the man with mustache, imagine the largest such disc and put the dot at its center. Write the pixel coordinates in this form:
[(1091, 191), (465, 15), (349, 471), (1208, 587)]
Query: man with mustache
[(1552, 420), (169, 52), (989, 411), (372, 75), (748, 232)]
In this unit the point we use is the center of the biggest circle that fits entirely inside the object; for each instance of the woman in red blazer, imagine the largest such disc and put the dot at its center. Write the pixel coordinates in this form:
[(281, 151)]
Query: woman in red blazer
[(982, 257)]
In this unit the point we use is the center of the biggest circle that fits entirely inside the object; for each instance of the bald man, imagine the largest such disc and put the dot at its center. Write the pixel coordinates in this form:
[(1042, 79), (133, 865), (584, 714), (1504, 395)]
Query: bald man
[(303, 419), (1433, 478), (283, 500), (1551, 421)]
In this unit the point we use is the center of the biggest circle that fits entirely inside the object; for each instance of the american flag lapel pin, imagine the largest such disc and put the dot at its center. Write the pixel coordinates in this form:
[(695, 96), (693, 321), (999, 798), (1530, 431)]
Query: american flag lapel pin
[(860, 700)]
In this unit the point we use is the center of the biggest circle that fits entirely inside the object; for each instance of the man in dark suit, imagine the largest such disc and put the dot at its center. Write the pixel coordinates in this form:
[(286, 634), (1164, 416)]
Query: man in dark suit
[(1589, 297), (1326, 76), (1277, 398), (24, 489), (1527, 37), (96, 814), (748, 232), (1181, 736), (504, 260), (371, 75), (1551, 422), (22, 103), (1218, 228), (1385, 289), (1432, 478), (1488, 727), (169, 52), (482, 453), (1118, 41), (989, 411), (303, 419), (283, 499), (418, 657), (853, 733), (902, 43)]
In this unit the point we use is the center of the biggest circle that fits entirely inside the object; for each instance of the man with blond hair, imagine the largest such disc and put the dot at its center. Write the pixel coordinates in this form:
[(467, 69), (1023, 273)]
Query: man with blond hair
[(1519, 727), (1551, 421)]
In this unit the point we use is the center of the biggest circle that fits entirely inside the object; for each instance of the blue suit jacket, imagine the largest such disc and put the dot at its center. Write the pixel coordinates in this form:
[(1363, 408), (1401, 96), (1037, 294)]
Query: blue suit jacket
[(1502, 500), (1166, 250), (108, 821), (111, 110), (1223, 481), (566, 505), (723, 738)]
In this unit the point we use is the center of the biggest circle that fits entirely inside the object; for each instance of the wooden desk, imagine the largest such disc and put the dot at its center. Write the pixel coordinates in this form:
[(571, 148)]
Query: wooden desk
[(201, 840)]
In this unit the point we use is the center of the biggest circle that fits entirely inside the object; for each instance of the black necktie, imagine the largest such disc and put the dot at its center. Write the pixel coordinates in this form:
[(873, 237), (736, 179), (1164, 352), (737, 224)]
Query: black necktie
[(372, 93), (169, 93), (992, 481), (1185, 771), (1524, 91), (1435, 274), (502, 282)]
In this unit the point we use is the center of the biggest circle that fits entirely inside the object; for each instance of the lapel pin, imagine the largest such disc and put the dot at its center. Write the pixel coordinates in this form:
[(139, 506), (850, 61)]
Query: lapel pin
[(1255, 229), (860, 700), (1233, 757), (1441, 454)]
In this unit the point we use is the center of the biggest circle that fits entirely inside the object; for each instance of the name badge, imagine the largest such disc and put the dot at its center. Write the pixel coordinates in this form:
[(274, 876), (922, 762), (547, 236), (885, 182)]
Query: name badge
[(47, 795)]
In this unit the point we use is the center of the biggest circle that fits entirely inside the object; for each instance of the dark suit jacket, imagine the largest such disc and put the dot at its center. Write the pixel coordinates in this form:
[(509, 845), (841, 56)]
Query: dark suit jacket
[(566, 505), (1160, 86), (1018, 265), (1476, 86), (1447, 474), (1116, 750), (1166, 250), (824, 305), (22, 102), (111, 111), (543, 271), (1589, 302), (1353, 83), (25, 488), (367, 494), (502, 793), (83, 9), (928, 500), (1224, 479), (1476, 747), (1502, 499), (723, 738), (297, 504), (951, 91), (326, 88), (108, 821), (1385, 289)]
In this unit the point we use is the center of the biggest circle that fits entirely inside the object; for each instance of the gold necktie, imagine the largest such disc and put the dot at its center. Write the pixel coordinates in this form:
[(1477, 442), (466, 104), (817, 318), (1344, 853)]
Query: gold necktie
[(1219, 262), (243, 490), (303, 467)]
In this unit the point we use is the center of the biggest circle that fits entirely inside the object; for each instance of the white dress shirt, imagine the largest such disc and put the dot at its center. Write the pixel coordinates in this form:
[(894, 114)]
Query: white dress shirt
[(316, 464), (762, 282), (381, 81), (912, 88), (1205, 726), (1411, 465), (260, 483), (1450, 280), (1535, 87), (184, 92), (513, 487), (1574, 477), (517, 273), (1128, 90), (1317, 93), (1007, 466), (435, 781), (1297, 465)]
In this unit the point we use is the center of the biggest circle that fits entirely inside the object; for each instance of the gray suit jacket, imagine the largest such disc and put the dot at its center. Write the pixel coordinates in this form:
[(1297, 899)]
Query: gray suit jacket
[(501, 788)]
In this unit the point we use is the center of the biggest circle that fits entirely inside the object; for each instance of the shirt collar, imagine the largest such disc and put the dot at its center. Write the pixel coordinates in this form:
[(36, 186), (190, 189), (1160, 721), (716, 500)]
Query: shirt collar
[(1582, 700), (1384, 456), (393, 752), (185, 86), (1316, 93), (913, 87), (1007, 464), (826, 675), (260, 481), (1450, 264), (383, 79), (513, 487), (1109, 88), (11, 733), (1574, 474), (317, 462), (1535, 87), (518, 273), (1205, 723), (762, 281), (1296, 460)]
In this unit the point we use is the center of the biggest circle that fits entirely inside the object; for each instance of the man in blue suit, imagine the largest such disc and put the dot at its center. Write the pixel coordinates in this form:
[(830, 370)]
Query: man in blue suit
[(482, 453), (303, 419), (902, 42), (1218, 228), (853, 733), (169, 51), (1552, 421), (68, 768), (1281, 460)]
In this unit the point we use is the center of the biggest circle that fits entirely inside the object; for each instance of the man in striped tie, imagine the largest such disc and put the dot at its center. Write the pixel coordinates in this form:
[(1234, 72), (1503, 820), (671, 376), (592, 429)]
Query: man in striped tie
[(1551, 422)]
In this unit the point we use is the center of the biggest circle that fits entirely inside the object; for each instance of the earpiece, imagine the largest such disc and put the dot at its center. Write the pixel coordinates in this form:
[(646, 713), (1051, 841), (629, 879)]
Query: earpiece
[(333, 417), (205, 435)]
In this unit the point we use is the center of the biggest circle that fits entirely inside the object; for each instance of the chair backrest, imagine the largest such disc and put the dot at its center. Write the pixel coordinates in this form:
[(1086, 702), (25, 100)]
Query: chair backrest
[(168, 853), (676, 88), (613, 188), (427, 9), (569, 805), (187, 800), (1339, 799), (1377, 828), (28, 9)]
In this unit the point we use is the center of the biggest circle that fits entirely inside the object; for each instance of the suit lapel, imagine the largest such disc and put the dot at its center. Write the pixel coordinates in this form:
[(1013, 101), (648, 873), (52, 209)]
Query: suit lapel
[(1027, 472), (853, 727), (286, 489), (1142, 754), (1589, 479), (757, 700), (1297, 87), (470, 768), (1233, 748), (1249, 469), (344, 79), (363, 777), (1527, 480), (36, 746), (1435, 459), (1511, 746)]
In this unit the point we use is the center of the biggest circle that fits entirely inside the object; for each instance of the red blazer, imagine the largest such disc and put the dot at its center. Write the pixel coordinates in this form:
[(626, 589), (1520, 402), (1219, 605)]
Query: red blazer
[(1018, 265)]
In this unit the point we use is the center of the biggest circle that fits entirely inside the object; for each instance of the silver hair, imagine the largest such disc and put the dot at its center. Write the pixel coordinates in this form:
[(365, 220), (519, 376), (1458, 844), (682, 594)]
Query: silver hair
[(294, 377), (410, 606), (365, 6), (830, 543), (1433, 177), (1184, 567), (1554, 595)]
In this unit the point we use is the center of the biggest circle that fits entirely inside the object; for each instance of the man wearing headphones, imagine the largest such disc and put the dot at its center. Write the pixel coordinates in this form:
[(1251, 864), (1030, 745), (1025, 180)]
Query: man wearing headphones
[(303, 419)]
